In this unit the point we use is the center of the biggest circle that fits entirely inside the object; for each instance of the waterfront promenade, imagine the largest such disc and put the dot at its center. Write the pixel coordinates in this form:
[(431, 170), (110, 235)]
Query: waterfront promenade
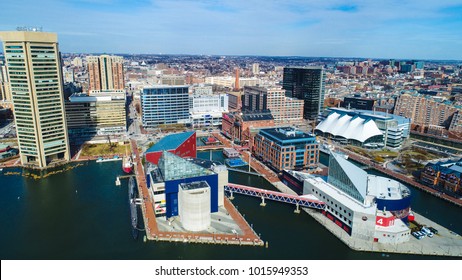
[(445, 243), (248, 236), (400, 177)]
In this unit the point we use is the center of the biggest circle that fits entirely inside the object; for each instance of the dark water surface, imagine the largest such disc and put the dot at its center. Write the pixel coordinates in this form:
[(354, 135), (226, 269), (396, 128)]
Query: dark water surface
[(81, 214)]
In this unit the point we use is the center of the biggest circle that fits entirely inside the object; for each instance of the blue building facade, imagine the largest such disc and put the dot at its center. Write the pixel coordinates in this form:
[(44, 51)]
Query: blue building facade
[(174, 171), (164, 105)]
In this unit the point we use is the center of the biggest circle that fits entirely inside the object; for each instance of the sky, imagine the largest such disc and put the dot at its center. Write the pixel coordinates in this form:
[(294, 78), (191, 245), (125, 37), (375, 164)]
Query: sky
[(412, 29)]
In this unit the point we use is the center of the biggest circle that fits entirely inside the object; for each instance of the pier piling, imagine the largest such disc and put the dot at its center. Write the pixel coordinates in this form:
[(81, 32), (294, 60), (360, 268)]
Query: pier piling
[(262, 201), (297, 211)]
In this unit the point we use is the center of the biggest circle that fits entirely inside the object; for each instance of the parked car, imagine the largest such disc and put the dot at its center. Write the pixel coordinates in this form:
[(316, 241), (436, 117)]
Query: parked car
[(433, 230), (417, 235), (425, 230)]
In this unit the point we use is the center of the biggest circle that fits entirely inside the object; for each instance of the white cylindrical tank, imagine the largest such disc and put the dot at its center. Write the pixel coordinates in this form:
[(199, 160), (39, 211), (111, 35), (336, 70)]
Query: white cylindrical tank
[(194, 205)]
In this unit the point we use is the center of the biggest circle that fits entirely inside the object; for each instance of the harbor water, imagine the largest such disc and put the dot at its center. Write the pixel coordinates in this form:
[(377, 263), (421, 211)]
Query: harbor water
[(81, 214)]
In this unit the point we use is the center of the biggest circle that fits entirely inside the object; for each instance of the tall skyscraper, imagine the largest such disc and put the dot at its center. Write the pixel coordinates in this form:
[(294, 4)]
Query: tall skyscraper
[(105, 73), (4, 85), (34, 73), (306, 83)]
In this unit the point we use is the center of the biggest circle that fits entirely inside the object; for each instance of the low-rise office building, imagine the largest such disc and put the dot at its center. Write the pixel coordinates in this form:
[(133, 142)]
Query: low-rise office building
[(237, 126), (164, 105), (98, 114), (207, 110), (286, 148)]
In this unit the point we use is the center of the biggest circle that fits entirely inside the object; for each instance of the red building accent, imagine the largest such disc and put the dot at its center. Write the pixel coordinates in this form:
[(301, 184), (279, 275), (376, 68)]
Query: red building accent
[(385, 221), (181, 144)]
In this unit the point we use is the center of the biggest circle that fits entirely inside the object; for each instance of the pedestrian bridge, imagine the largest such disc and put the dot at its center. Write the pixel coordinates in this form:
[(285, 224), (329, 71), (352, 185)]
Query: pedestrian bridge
[(301, 201)]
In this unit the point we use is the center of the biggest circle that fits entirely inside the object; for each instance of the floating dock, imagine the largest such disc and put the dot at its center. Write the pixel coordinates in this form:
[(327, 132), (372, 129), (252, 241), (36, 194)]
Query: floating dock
[(235, 162)]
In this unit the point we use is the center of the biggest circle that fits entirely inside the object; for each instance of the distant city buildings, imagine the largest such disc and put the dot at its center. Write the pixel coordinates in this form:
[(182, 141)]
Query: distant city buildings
[(425, 111), (307, 84), (172, 80), (230, 82), (105, 73), (164, 105), (34, 71), (286, 148), (255, 68)]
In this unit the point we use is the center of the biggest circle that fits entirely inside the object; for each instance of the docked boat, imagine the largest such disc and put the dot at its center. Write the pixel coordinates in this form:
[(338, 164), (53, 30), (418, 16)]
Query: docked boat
[(101, 159), (133, 212), (235, 162), (230, 153), (127, 164)]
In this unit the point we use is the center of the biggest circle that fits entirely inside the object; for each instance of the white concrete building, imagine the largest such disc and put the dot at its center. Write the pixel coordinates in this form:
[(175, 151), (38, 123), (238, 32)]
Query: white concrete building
[(194, 205), (367, 207), (207, 110)]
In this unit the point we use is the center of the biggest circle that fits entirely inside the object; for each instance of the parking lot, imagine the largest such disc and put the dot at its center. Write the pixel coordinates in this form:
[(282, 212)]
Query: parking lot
[(7, 129)]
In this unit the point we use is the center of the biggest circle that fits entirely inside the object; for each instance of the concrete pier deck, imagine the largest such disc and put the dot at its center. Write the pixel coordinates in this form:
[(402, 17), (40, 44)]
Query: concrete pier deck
[(155, 231), (445, 243)]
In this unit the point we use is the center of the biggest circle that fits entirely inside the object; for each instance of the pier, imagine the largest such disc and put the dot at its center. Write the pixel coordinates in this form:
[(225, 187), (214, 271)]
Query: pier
[(247, 236)]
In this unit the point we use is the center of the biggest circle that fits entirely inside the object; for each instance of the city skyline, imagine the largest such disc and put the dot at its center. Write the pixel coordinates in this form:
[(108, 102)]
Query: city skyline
[(336, 28)]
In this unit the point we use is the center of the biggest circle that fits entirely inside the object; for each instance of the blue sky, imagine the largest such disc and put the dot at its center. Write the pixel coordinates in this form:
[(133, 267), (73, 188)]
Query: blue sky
[(416, 29)]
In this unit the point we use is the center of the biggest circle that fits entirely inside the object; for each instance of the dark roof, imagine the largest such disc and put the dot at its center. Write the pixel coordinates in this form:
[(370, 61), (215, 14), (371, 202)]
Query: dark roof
[(284, 133), (194, 185), (257, 115), (170, 142)]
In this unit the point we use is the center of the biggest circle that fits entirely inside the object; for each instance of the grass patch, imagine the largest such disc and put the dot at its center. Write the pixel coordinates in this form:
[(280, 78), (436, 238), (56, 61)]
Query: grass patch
[(104, 149), (172, 127), (385, 154)]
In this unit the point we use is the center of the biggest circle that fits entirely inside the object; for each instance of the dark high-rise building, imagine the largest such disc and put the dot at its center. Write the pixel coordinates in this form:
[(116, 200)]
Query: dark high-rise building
[(358, 103), (255, 99), (306, 83)]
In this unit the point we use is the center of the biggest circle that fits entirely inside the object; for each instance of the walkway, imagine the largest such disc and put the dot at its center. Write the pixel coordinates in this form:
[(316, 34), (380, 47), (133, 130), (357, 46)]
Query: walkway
[(276, 196)]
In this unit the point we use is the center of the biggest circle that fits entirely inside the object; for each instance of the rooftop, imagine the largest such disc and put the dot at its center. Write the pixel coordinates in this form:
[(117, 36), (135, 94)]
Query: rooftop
[(170, 142), (286, 133), (349, 127), (194, 185), (174, 167), (257, 116)]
